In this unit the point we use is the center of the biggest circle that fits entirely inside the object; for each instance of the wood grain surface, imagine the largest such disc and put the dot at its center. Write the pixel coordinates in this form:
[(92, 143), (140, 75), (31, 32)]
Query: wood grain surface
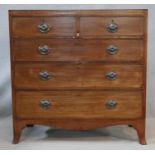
[(77, 76), (79, 50)]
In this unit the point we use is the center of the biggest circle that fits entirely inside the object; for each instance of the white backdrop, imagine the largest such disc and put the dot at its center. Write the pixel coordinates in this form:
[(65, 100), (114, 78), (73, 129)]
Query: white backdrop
[(5, 86)]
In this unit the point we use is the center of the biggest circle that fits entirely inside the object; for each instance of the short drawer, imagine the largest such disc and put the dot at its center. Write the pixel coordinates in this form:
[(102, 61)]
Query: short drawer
[(77, 50), (49, 26), (79, 104), (99, 26), (77, 76)]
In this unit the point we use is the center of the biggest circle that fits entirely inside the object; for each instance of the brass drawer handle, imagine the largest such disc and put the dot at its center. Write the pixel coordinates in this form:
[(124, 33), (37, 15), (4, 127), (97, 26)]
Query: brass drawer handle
[(43, 49), (110, 104), (112, 27), (111, 75), (45, 75), (43, 27), (45, 104), (112, 49)]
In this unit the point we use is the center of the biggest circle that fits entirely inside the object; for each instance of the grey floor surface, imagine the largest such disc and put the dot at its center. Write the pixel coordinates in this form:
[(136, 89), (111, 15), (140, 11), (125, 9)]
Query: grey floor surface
[(43, 137)]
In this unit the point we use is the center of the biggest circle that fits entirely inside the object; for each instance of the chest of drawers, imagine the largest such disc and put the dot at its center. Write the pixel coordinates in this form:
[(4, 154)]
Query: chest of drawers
[(78, 69)]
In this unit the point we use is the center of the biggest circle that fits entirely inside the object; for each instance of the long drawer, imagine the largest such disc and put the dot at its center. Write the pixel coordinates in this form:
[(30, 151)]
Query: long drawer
[(78, 50), (77, 76), (79, 104), (67, 26)]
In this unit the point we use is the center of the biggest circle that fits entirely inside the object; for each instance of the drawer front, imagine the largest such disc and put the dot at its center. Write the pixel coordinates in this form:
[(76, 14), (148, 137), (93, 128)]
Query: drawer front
[(98, 26), (77, 50), (37, 26), (79, 104), (77, 76)]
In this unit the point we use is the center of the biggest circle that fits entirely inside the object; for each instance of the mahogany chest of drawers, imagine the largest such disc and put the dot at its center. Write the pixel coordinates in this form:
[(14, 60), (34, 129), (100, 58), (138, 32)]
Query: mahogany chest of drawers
[(79, 69)]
